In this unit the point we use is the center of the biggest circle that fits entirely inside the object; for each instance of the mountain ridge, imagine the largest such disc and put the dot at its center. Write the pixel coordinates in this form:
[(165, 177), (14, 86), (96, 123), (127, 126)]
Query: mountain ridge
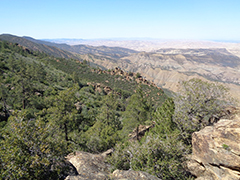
[(86, 49), (50, 50)]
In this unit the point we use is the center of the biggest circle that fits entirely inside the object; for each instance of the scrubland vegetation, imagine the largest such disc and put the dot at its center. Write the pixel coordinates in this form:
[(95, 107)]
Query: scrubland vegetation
[(48, 111)]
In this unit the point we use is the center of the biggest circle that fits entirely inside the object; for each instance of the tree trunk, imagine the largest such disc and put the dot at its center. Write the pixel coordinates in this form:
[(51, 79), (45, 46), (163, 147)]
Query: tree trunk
[(66, 132), (137, 131)]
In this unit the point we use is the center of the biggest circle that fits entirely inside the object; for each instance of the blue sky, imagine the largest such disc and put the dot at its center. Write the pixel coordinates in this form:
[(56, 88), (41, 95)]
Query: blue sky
[(88, 19)]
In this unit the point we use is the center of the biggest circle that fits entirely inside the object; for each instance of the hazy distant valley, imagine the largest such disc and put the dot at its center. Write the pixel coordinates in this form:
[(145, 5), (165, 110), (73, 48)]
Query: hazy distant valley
[(166, 62), (163, 62)]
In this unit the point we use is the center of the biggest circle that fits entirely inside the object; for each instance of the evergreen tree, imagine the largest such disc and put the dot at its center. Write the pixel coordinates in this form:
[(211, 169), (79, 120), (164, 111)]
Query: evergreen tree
[(104, 133), (137, 112), (163, 118), (63, 113), (30, 149), (160, 152), (25, 81), (3, 102)]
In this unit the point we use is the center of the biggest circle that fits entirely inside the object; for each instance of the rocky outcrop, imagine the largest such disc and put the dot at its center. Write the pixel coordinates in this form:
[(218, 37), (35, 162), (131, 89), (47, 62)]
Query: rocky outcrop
[(123, 76), (92, 166), (132, 175), (100, 87), (216, 151), (88, 166), (126, 76)]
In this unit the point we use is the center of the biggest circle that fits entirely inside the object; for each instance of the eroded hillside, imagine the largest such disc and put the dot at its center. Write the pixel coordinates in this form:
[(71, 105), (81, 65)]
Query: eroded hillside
[(166, 67)]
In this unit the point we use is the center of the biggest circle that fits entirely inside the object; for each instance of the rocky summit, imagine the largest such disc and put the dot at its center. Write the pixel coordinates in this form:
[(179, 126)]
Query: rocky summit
[(216, 151)]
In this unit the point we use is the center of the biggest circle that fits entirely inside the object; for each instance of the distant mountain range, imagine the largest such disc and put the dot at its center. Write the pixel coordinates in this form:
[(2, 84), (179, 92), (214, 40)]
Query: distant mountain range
[(150, 44), (105, 41), (86, 49)]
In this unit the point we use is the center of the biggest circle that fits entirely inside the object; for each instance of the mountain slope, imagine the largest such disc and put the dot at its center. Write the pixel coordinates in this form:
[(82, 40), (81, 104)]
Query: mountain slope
[(50, 50), (217, 64), (216, 56), (100, 80), (213, 64), (67, 51), (50, 106), (167, 67)]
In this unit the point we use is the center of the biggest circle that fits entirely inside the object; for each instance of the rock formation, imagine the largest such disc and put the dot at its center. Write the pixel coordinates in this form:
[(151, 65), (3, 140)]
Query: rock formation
[(127, 76), (216, 151), (92, 166)]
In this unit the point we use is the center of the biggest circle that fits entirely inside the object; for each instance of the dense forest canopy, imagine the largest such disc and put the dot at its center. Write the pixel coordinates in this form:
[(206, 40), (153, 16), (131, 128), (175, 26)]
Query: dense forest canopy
[(49, 109)]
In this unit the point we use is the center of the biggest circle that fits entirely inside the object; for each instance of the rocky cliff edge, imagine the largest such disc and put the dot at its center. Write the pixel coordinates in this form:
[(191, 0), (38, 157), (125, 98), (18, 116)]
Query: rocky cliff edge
[(216, 151)]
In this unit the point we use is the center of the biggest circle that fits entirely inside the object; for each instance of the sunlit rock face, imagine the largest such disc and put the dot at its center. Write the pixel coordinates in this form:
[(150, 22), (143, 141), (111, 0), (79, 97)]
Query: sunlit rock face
[(216, 151)]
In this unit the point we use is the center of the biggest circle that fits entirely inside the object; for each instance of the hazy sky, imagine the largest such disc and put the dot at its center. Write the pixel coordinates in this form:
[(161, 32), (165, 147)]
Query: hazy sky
[(166, 19)]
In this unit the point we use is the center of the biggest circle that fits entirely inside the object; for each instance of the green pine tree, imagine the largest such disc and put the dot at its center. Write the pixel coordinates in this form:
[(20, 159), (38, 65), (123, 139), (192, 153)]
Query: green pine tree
[(137, 112), (30, 149), (63, 112), (105, 132)]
